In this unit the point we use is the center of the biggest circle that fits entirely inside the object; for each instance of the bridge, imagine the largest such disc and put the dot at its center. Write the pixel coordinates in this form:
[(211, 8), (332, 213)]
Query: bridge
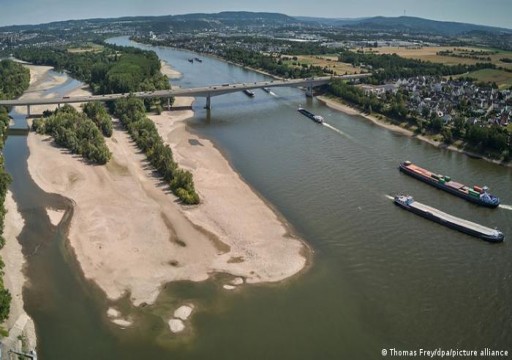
[(207, 91)]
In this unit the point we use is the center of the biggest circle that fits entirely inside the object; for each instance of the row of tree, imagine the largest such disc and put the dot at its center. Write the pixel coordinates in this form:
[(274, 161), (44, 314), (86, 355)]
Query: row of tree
[(271, 64), (391, 66), (76, 132), (5, 180), (132, 113), (14, 80)]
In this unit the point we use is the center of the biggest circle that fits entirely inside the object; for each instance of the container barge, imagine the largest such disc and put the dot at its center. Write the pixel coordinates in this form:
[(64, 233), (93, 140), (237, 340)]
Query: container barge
[(316, 118), (407, 202), (249, 93), (476, 194)]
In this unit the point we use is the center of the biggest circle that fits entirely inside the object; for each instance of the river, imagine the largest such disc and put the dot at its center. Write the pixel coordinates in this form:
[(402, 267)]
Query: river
[(381, 277)]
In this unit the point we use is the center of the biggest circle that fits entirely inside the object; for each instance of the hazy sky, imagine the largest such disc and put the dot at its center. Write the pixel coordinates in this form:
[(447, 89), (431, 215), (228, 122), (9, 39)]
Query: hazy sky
[(487, 12)]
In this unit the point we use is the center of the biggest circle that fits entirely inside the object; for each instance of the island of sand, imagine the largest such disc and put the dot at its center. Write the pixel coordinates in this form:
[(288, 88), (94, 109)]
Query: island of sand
[(130, 234)]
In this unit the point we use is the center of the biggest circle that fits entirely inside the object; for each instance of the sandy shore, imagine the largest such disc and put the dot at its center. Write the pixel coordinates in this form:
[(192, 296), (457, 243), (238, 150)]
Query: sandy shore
[(233, 231), (166, 69), (41, 82), (261, 249), (18, 323), (333, 104)]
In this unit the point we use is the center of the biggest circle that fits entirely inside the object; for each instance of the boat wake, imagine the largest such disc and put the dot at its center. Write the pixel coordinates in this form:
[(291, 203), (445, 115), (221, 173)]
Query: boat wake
[(506, 207), (336, 130), (389, 197)]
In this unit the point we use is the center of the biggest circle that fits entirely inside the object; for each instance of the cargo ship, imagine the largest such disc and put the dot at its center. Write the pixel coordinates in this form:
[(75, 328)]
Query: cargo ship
[(198, 60), (249, 93), (190, 60), (476, 194), (407, 202), (316, 118)]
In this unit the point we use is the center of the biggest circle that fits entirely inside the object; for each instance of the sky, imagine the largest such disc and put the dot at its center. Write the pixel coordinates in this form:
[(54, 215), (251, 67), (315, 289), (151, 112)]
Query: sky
[(486, 12)]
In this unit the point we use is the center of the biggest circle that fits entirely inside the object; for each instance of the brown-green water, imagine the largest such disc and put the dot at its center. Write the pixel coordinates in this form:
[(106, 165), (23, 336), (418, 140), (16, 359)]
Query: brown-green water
[(381, 277)]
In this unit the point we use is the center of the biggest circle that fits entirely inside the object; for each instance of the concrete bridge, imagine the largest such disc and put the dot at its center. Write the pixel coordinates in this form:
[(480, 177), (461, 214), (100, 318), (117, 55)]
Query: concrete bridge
[(207, 92)]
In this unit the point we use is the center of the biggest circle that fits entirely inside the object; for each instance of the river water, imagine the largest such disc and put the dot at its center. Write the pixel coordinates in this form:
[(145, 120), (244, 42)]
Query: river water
[(381, 277)]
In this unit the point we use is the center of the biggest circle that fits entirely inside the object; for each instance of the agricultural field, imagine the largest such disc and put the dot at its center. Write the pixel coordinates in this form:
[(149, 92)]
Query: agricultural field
[(329, 61), (502, 78), (458, 55), (89, 47)]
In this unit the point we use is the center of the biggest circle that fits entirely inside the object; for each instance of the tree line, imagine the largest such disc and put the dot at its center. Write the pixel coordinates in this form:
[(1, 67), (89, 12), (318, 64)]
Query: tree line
[(391, 66), (76, 132), (14, 80), (270, 63), (131, 112)]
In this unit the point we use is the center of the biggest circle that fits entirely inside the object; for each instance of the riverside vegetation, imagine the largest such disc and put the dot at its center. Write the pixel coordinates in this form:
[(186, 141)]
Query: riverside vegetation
[(114, 70), (15, 80), (77, 131), (131, 112)]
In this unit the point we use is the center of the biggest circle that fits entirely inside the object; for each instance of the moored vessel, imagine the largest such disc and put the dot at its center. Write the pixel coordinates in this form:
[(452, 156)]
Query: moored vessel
[(316, 118), (476, 194), (407, 202)]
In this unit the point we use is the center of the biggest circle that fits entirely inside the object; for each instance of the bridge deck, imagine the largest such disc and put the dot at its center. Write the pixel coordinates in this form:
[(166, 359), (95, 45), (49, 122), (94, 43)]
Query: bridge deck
[(207, 91)]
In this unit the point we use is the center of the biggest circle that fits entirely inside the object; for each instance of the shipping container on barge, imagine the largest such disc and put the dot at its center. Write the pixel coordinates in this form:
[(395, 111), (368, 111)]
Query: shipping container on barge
[(475, 194), (407, 202)]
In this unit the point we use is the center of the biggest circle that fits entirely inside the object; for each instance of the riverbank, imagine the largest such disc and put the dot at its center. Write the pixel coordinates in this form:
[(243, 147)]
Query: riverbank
[(171, 242), (19, 324), (349, 110)]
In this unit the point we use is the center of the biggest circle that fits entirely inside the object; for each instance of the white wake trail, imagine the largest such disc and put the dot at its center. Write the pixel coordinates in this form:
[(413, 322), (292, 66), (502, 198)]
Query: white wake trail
[(506, 207), (337, 130)]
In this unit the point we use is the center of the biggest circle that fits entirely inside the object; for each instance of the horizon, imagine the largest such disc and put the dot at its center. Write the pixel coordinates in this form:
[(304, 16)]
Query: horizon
[(493, 13)]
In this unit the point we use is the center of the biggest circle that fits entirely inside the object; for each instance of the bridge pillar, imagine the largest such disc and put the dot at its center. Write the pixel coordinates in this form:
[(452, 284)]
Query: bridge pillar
[(28, 110), (168, 104), (309, 90), (58, 106), (208, 103)]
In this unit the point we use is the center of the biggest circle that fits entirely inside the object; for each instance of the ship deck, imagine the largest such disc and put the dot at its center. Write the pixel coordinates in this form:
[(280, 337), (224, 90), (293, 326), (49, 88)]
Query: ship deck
[(453, 219)]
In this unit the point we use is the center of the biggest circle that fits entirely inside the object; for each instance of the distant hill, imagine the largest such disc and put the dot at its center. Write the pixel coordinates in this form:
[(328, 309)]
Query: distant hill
[(218, 21), (178, 22), (408, 24)]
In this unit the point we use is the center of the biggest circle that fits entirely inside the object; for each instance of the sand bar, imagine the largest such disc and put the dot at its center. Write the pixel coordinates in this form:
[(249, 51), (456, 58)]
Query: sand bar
[(166, 69), (18, 323), (130, 234)]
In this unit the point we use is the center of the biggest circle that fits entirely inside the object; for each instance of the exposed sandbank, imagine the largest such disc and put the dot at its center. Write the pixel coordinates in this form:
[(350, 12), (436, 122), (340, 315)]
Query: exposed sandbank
[(166, 69), (129, 233), (18, 323)]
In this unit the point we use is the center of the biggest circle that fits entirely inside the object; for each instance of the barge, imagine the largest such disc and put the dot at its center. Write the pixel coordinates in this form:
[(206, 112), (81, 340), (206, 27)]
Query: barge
[(407, 202), (316, 118), (476, 194), (249, 93)]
